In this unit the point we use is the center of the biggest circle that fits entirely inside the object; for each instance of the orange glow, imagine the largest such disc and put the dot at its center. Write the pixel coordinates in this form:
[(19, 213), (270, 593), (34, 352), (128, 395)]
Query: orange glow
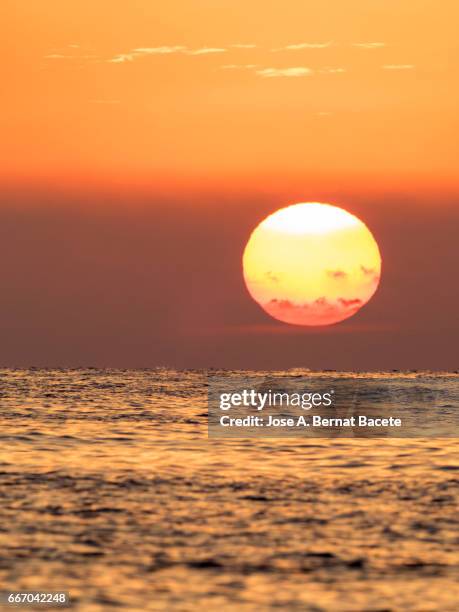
[(362, 92), (311, 264)]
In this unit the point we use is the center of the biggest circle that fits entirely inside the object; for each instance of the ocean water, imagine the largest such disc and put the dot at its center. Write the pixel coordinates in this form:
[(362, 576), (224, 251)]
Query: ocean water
[(111, 490)]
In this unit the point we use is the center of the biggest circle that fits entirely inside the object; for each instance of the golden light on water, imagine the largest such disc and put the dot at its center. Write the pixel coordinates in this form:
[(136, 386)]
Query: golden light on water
[(311, 264)]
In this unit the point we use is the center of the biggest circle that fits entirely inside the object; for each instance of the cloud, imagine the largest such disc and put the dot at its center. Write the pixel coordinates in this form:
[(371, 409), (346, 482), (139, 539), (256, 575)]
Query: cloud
[(299, 46), (332, 70), (239, 66), (274, 278), (336, 274), (58, 56), (297, 71), (349, 303), (206, 51), (139, 51), (164, 50), (158, 50), (398, 67), (371, 274), (318, 312), (370, 45), (283, 303), (122, 57)]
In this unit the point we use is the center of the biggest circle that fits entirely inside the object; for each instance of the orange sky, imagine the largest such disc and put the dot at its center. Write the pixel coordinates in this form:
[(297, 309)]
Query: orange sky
[(339, 108), (143, 141)]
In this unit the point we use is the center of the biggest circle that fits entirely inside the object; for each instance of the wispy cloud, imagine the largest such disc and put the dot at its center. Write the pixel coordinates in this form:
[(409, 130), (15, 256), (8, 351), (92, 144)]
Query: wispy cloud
[(370, 45), (122, 57), (58, 56), (305, 45), (206, 51), (164, 50), (239, 66), (158, 50), (332, 70), (296, 71), (337, 274), (398, 67), (140, 51)]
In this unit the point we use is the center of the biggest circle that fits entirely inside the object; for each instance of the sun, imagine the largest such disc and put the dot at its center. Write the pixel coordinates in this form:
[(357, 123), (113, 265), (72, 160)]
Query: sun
[(311, 264)]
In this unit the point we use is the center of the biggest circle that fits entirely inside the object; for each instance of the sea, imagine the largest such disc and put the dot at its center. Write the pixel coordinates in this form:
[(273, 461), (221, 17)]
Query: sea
[(112, 491)]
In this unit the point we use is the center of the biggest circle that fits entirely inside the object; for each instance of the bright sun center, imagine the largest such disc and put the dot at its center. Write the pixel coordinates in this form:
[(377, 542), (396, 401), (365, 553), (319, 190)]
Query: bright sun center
[(311, 264)]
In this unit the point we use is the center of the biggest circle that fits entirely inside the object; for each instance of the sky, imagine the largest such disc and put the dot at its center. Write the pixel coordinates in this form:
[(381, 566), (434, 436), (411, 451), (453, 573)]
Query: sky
[(143, 142)]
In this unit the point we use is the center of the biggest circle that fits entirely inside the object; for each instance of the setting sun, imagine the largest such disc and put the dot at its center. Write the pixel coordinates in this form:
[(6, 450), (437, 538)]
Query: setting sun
[(311, 264)]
